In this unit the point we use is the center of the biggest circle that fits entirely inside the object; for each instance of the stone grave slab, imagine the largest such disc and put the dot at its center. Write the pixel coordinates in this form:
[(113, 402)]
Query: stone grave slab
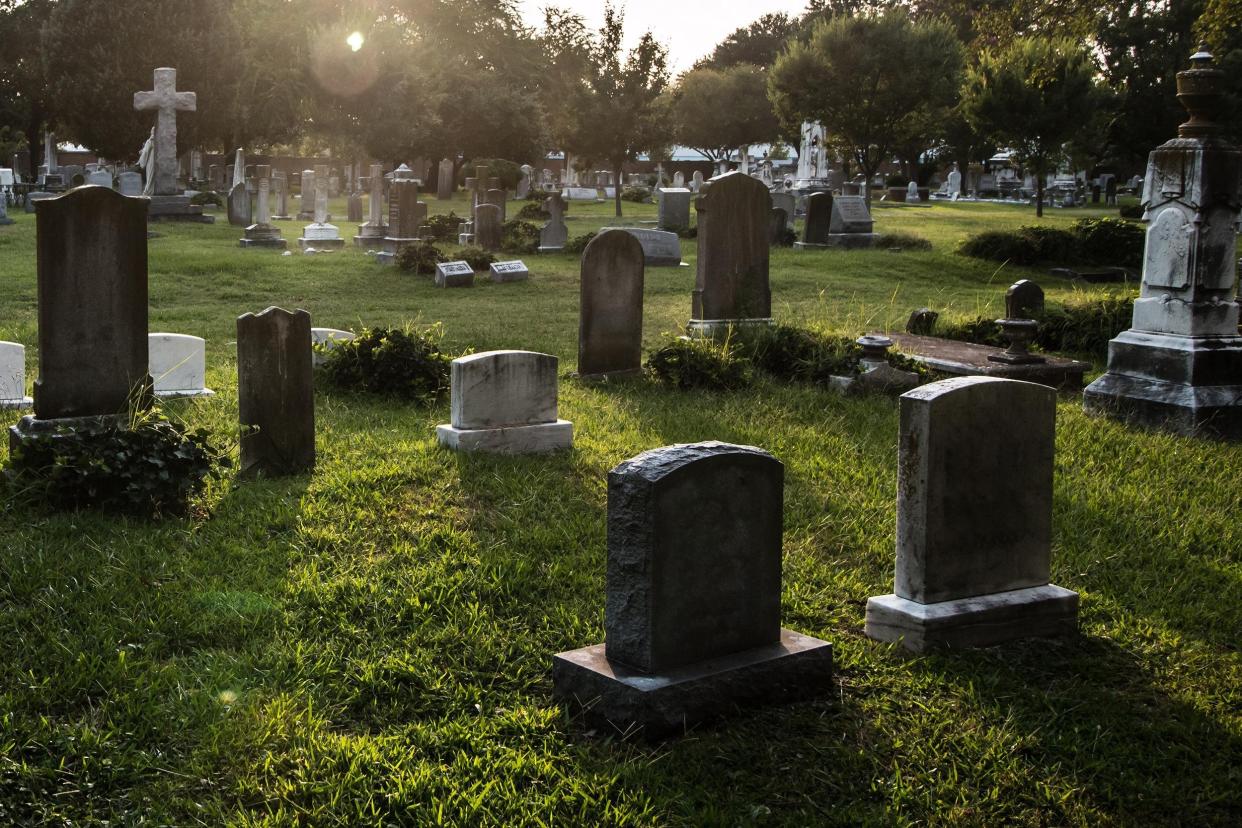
[(513, 271), (969, 359), (454, 274)]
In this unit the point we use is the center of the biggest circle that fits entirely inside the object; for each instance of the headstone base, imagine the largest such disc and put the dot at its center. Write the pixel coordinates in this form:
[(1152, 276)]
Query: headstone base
[(851, 240), (16, 404), (185, 394), (393, 243), (543, 249), (259, 236), (370, 237), (527, 439), (979, 621), (717, 328), (31, 425), (1181, 384), (659, 705), (176, 208), (809, 246), (321, 238), (966, 359)]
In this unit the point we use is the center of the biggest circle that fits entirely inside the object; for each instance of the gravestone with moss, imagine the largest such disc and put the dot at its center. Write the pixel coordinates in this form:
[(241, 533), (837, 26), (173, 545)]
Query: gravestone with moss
[(731, 284)]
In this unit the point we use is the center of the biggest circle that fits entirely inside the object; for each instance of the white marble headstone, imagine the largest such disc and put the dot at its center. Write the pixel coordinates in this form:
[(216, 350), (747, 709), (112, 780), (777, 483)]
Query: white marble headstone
[(505, 401), (178, 365), (329, 338), (13, 376)]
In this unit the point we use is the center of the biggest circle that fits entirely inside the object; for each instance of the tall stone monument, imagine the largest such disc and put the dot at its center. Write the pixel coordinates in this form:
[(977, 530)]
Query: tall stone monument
[(731, 283), (92, 299), (166, 201), (320, 235), (1179, 366), (406, 213), (263, 233), (374, 230)]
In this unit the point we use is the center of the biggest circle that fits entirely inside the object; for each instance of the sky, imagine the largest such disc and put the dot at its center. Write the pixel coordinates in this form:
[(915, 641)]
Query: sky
[(689, 28)]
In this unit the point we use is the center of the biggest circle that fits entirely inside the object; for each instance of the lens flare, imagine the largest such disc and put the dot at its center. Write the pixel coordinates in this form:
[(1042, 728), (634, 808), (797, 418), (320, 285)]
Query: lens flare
[(355, 41)]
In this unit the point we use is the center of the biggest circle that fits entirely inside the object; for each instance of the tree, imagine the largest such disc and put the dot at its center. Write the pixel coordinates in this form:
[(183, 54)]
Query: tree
[(1032, 96), (718, 110), (757, 43), (24, 109), (875, 83), (1221, 26), (612, 112)]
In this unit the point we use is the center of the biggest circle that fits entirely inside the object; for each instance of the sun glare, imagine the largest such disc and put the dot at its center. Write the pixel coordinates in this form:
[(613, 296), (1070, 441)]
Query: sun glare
[(355, 41)]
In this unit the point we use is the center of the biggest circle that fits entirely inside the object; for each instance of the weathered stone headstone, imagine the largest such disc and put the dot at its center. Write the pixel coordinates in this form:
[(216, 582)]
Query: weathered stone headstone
[(660, 248), (497, 197), (92, 300), (731, 283), (815, 229), (280, 190), (777, 227), (178, 365), (912, 193), (374, 231), (554, 233), (787, 202), (306, 199), (513, 271), (444, 180), (275, 392), (353, 207), (13, 376), (487, 229), (610, 305), (326, 339), (922, 322), (454, 274), (1024, 300), (974, 518), (955, 183), (580, 194), (696, 182), (1179, 366), (100, 178), (679, 180), (239, 206), (673, 209), (262, 233), (523, 187), (505, 401), (215, 175), (320, 235), (850, 224), (129, 183), (692, 615)]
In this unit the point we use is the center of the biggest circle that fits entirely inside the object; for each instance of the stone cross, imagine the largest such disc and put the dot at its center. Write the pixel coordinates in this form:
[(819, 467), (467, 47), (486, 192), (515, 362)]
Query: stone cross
[(167, 100)]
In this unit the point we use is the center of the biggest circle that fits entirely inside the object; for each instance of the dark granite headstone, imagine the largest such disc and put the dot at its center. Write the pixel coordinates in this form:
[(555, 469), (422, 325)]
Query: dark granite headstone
[(275, 392), (1024, 300), (403, 218), (777, 225), (818, 218), (731, 282), (849, 214), (92, 297), (692, 616), (974, 518), (487, 226), (610, 314), (922, 321)]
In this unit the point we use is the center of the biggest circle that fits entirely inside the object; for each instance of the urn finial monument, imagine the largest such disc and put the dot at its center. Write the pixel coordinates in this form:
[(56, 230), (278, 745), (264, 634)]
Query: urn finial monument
[(1179, 366)]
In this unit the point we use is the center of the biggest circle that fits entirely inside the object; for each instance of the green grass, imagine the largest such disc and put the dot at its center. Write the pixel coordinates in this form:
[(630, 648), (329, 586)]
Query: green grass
[(370, 644)]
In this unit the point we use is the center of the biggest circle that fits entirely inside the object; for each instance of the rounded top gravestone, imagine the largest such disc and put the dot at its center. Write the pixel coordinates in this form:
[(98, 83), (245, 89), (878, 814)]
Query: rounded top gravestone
[(610, 314), (732, 277)]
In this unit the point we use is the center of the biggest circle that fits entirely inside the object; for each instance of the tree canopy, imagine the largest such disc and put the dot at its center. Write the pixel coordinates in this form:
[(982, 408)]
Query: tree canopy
[(718, 110)]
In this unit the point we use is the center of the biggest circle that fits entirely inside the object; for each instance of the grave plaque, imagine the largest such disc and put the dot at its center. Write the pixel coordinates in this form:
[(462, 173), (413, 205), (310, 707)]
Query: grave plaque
[(454, 274), (515, 271)]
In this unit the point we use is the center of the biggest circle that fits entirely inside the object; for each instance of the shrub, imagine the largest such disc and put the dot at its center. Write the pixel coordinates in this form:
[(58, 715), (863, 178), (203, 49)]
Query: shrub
[(1025, 246), (419, 258), (444, 226), (402, 362), (699, 363), (578, 244), (902, 241), (533, 210), (207, 197), (1052, 244), (508, 172), (794, 353), (1130, 211), (149, 466), (1111, 241), (1084, 327), (638, 195), (786, 237), (518, 236), (896, 181), (478, 258)]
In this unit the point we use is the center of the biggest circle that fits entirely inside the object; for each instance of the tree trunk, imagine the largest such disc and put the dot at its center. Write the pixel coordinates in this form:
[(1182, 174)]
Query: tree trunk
[(868, 174), (1039, 190), (616, 191)]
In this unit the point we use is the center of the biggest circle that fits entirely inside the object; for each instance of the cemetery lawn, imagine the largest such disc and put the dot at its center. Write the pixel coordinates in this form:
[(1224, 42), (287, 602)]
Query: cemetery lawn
[(371, 644)]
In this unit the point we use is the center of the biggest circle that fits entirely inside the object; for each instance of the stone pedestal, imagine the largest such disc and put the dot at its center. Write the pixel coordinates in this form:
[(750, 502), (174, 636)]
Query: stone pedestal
[(979, 621), (321, 237), (1179, 367), (261, 235)]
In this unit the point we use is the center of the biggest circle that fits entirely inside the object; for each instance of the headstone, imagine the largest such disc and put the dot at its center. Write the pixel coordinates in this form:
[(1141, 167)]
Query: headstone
[(36, 196), (166, 100), (404, 213), (696, 182), (1024, 300), (974, 518), (487, 228), (610, 305), (660, 248), (353, 207), (580, 194), (13, 377), (100, 178), (92, 307), (324, 340), (444, 180), (129, 183), (306, 201), (178, 365), (912, 193), (320, 235), (262, 233), (280, 188), (1179, 366), (731, 283), (955, 183), (679, 180), (454, 274), (239, 206), (922, 322), (554, 233), (374, 231), (505, 401), (498, 198), (692, 618), (673, 209), (777, 227), (275, 392), (786, 202), (819, 211), (215, 175), (514, 271), (850, 224), (523, 187)]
